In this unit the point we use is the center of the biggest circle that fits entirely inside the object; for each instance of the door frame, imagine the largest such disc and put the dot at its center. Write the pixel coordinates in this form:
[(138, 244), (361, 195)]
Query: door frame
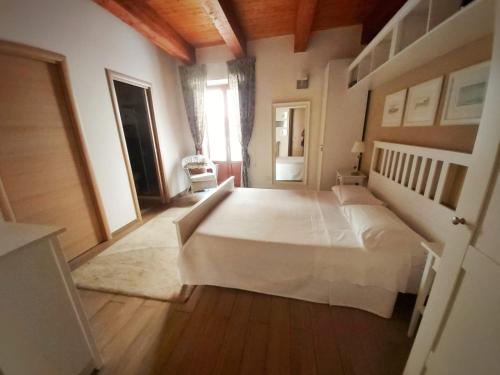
[(60, 62), (158, 158)]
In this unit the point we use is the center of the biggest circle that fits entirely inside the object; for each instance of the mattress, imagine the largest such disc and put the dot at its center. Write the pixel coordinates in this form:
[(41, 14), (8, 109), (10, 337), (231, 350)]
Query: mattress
[(290, 243)]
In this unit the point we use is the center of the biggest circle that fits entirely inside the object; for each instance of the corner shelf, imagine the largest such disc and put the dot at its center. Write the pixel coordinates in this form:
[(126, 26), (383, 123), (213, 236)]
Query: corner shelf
[(421, 31)]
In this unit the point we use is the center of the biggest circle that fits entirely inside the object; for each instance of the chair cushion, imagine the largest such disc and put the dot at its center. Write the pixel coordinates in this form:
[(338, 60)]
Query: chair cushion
[(199, 170), (203, 177)]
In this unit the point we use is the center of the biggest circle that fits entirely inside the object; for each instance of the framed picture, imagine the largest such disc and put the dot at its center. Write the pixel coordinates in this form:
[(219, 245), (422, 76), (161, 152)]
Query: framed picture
[(422, 103), (393, 109), (465, 95)]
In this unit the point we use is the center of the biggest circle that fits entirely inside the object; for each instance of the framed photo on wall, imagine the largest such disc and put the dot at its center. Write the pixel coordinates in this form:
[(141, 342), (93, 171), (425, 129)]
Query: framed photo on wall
[(422, 103), (394, 108), (465, 95)]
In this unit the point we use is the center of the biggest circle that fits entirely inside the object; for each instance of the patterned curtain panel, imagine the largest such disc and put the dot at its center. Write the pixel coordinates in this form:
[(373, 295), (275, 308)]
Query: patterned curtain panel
[(242, 78), (194, 84)]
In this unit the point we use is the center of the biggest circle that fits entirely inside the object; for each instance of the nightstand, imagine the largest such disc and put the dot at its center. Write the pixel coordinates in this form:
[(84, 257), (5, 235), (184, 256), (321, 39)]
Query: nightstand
[(434, 253), (345, 177)]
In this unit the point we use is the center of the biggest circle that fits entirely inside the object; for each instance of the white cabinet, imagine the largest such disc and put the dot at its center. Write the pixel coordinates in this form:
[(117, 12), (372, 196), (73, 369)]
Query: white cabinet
[(419, 32), (469, 340), (43, 327)]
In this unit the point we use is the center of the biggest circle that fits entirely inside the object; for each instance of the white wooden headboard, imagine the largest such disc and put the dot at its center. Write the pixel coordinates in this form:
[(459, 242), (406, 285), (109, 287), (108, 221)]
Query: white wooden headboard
[(422, 185)]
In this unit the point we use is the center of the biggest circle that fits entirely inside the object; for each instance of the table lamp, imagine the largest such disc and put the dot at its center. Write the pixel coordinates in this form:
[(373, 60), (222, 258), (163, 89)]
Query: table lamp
[(358, 148)]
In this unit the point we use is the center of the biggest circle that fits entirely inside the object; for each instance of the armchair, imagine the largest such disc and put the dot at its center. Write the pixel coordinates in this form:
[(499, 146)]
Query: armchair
[(203, 179)]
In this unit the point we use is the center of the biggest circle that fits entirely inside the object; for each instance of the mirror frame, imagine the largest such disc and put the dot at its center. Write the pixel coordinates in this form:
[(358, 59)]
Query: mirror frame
[(306, 104)]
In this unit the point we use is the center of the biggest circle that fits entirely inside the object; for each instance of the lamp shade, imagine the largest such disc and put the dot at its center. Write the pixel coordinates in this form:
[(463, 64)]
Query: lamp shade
[(358, 147)]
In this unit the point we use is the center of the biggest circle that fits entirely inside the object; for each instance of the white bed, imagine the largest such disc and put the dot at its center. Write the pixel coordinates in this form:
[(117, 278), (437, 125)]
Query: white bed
[(290, 168), (298, 244)]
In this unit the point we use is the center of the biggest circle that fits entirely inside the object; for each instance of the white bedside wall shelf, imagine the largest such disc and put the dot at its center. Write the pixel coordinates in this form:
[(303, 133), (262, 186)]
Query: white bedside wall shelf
[(419, 32)]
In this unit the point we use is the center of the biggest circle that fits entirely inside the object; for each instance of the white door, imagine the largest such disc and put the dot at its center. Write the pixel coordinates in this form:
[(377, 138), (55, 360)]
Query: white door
[(469, 339), (463, 273)]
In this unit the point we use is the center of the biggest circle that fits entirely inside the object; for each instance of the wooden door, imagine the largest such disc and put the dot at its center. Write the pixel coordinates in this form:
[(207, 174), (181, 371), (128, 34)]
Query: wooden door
[(226, 169), (470, 208), (42, 167)]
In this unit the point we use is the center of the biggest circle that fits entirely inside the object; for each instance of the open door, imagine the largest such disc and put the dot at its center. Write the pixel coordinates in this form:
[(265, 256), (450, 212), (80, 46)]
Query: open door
[(133, 106), (460, 327), (222, 143)]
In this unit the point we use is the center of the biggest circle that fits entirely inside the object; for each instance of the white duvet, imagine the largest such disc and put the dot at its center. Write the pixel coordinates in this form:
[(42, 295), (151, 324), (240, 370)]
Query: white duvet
[(290, 243)]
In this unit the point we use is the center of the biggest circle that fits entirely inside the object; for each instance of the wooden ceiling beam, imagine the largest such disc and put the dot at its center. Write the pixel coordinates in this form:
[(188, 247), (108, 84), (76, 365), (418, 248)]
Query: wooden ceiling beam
[(224, 19), (145, 20), (303, 23)]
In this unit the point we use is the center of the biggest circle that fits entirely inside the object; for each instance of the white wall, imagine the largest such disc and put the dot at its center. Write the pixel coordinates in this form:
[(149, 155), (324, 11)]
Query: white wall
[(93, 39), (344, 119), (277, 69)]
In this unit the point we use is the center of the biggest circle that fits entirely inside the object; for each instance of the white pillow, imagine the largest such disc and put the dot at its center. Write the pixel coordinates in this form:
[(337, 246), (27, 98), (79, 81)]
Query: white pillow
[(355, 194), (378, 227)]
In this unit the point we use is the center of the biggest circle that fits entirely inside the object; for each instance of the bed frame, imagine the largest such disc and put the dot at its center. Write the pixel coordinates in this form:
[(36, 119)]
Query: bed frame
[(420, 184), (187, 223)]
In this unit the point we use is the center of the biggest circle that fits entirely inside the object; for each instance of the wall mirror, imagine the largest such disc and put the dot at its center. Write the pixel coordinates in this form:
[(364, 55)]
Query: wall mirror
[(290, 133)]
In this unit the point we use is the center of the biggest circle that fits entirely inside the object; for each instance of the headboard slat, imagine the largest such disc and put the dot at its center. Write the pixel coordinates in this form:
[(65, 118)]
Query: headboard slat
[(412, 180)]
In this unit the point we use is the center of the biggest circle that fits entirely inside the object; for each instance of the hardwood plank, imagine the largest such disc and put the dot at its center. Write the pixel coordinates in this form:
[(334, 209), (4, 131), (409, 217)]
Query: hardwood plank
[(180, 359), (343, 329), (115, 352), (93, 301), (231, 352), (254, 355), (172, 328), (300, 314), (211, 336), (108, 322), (192, 302), (145, 20), (278, 342), (230, 331), (325, 343), (154, 342), (224, 19), (261, 308), (302, 353), (306, 10)]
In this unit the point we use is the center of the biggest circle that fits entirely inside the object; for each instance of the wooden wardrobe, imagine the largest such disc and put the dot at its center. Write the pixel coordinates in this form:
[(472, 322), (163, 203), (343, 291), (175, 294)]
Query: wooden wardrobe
[(44, 173)]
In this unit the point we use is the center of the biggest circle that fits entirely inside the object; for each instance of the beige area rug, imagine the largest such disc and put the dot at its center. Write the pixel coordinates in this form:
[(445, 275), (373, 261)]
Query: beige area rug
[(143, 263)]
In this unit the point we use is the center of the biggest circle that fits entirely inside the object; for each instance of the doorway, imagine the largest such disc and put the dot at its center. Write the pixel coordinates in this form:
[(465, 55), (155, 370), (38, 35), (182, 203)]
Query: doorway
[(222, 139), (134, 111)]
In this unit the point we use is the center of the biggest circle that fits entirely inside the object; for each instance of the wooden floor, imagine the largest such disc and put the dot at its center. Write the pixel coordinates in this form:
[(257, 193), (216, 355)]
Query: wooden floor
[(226, 331)]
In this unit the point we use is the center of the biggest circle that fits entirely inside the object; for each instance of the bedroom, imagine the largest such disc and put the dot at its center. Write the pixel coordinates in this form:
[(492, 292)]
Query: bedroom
[(283, 276)]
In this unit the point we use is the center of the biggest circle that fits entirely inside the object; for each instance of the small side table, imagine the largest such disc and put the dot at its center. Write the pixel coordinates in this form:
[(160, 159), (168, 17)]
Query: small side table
[(434, 253), (345, 177)]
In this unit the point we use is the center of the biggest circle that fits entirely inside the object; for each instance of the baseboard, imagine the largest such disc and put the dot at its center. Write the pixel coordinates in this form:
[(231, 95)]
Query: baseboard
[(125, 228)]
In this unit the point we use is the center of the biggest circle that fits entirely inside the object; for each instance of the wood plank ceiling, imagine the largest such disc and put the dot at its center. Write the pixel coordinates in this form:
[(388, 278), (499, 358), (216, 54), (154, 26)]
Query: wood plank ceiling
[(180, 26)]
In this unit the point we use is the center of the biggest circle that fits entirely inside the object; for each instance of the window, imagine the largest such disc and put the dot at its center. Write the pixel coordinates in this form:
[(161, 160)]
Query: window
[(222, 139)]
